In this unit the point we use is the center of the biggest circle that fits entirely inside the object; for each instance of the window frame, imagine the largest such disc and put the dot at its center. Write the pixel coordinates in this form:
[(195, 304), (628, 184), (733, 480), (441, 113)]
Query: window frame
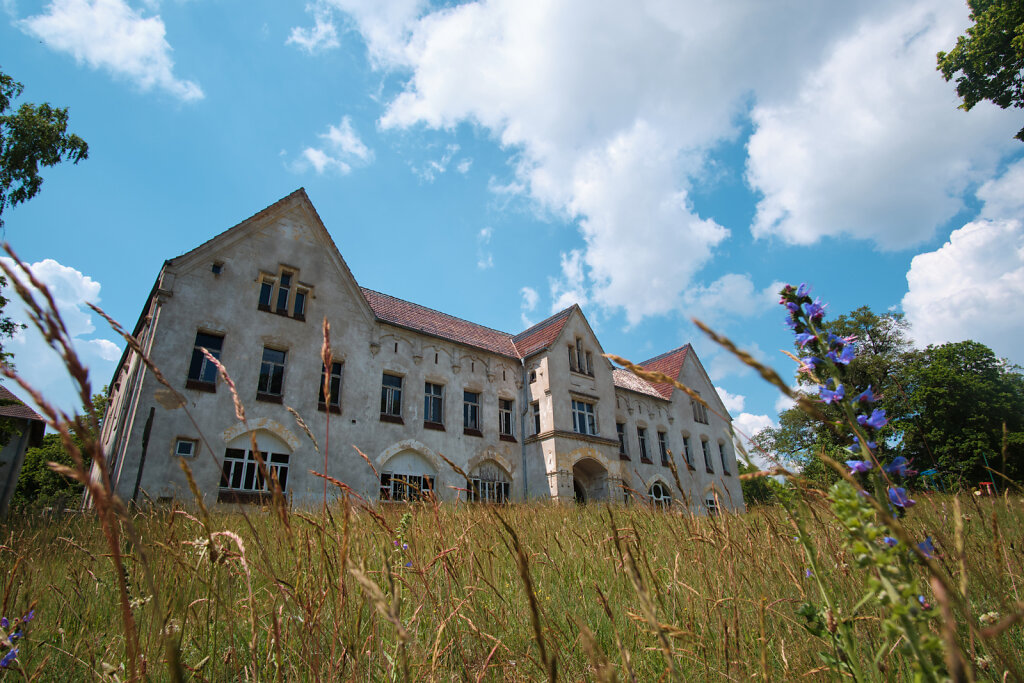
[(194, 443), (489, 491), (197, 374), (284, 283), (688, 452), (412, 487), (664, 501), (584, 413), (705, 446), (391, 398), (250, 481), (641, 437), (536, 417), (471, 409), (663, 448), (334, 405), (433, 405), (620, 431), (506, 419), (721, 456), (265, 391)]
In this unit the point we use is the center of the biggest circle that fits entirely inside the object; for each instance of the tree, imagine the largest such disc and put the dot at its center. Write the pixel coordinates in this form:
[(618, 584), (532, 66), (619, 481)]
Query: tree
[(959, 396), (759, 490), (37, 483), (990, 58), (881, 342), (32, 136)]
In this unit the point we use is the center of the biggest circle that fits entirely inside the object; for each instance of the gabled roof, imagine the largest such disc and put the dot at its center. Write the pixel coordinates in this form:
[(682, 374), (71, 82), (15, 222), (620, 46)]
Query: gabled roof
[(668, 363), (624, 379), (412, 316), (541, 335), (11, 406)]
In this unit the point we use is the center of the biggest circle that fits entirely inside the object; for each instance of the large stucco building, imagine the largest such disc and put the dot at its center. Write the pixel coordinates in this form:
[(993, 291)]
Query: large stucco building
[(535, 415)]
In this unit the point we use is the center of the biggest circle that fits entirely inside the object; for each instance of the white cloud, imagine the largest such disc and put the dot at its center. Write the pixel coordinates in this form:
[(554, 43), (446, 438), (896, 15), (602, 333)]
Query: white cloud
[(35, 361), (435, 167), (463, 166), (528, 305), (746, 426), (872, 145), (732, 294), (108, 34), (733, 402), (385, 26), (322, 36), (342, 148), (720, 363), (971, 287), (484, 258), (569, 289)]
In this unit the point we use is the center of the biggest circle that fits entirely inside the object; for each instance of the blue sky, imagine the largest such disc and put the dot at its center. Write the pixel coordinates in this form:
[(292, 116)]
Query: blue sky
[(499, 160)]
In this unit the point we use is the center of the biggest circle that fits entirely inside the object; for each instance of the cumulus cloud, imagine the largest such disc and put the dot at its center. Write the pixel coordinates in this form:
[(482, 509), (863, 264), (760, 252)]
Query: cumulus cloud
[(971, 287), (746, 426), (570, 288), (342, 147), (733, 402), (872, 146), (322, 36), (733, 294), (35, 361), (110, 35)]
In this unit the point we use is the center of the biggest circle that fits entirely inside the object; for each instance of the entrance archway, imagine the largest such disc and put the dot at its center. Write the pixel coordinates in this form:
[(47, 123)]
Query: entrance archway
[(589, 481)]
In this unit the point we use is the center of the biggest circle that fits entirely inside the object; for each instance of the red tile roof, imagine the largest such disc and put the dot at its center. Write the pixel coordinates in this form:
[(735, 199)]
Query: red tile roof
[(669, 363), (412, 316), (11, 406), (542, 334), (624, 379)]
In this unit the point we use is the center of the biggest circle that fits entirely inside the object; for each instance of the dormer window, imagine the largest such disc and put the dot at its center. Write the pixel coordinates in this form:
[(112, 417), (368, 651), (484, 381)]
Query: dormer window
[(580, 359), (281, 293)]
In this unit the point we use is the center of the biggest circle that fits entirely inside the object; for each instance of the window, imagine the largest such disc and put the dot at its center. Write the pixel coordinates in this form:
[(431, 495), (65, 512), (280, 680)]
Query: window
[(590, 364), (217, 268), (712, 505), (572, 358), (484, 491), (240, 471), (580, 358), (283, 294), (659, 495), (471, 412), (641, 435), (533, 376), (663, 448), (398, 486), (186, 448), (620, 431), (334, 404), (202, 374), (687, 453), (583, 419), (433, 404), (271, 384), (707, 456), (391, 397), (536, 417), (700, 411), (721, 455), (505, 412)]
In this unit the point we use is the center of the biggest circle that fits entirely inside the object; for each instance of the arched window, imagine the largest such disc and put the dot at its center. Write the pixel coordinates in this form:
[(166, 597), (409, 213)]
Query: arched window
[(489, 484), (659, 495), (405, 477)]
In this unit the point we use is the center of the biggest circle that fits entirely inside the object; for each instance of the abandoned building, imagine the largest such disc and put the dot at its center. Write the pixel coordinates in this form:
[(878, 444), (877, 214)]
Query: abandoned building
[(536, 415)]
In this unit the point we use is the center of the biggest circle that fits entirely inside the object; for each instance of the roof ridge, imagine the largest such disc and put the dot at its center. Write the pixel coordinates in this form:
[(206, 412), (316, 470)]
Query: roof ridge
[(543, 323), (664, 355), (434, 310)]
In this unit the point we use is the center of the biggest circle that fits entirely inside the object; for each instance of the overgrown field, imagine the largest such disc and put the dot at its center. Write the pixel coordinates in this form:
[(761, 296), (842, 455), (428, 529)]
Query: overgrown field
[(425, 592)]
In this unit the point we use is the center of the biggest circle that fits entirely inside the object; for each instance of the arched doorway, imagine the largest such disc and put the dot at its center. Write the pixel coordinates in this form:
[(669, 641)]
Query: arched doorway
[(589, 481)]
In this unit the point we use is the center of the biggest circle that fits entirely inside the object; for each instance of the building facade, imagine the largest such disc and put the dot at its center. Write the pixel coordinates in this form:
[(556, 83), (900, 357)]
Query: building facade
[(535, 415)]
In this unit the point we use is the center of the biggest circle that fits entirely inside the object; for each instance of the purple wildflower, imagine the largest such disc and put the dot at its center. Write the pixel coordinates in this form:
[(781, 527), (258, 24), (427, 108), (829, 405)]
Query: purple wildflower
[(4, 623), (866, 396), (816, 310), (829, 396), (29, 617), (808, 573), (899, 497), (793, 308), (803, 290), (803, 338), (924, 603), (927, 547), (855, 448), (890, 541), (790, 323), (8, 658), (405, 546), (899, 466), (408, 564), (858, 466), (877, 419), (14, 636)]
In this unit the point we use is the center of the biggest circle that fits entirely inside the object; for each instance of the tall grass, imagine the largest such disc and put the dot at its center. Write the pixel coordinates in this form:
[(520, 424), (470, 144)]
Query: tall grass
[(627, 593)]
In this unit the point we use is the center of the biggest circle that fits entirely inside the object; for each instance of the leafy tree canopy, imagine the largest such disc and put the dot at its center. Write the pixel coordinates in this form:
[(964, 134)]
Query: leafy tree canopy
[(30, 137), (990, 58)]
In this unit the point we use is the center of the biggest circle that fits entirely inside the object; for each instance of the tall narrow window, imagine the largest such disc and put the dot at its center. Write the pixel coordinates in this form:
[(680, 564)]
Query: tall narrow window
[(505, 412), (590, 364), (663, 448), (583, 419), (536, 417), (700, 411), (202, 374), (687, 453), (266, 293), (620, 431), (579, 355), (433, 403), (271, 384), (707, 456), (283, 291), (300, 304), (725, 463), (391, 397), (471, 412), (572, 357), (641, 435), (334, 404)]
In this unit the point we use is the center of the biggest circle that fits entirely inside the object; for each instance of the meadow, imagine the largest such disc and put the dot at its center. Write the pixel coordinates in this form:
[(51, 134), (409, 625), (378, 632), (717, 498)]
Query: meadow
[(468, 592)]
